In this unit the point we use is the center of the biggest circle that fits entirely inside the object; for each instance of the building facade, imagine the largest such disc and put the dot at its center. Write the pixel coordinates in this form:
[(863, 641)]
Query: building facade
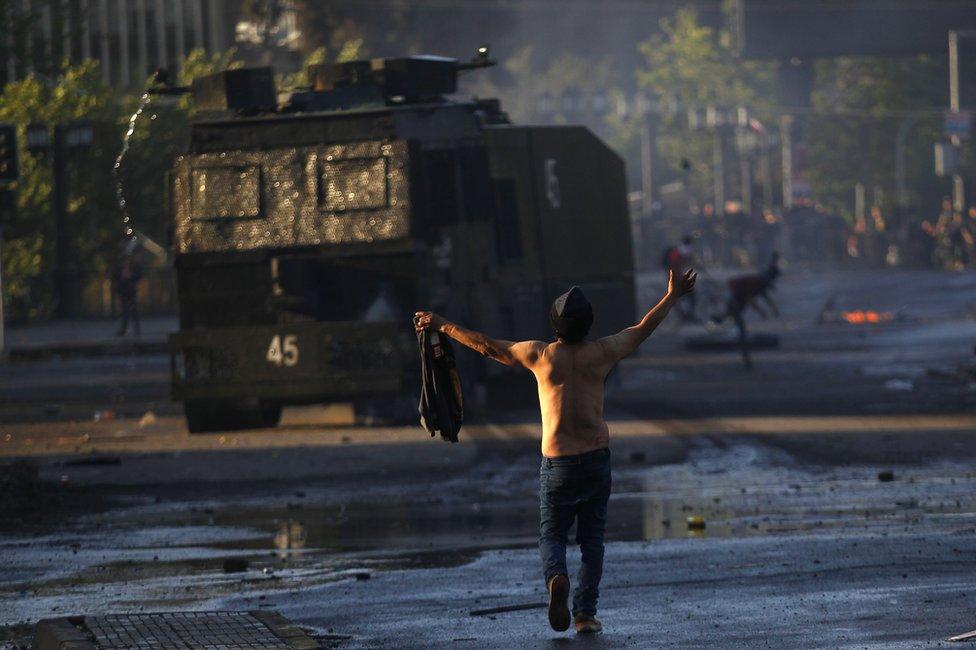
[(130, 38)]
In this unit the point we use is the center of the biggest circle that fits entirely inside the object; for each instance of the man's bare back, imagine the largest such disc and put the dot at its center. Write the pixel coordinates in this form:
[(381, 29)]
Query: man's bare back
[(571, 379), (570, 376)]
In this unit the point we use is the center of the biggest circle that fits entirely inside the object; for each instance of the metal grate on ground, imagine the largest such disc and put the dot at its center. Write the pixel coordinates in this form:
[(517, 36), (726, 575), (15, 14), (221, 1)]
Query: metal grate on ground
[(257, 630)]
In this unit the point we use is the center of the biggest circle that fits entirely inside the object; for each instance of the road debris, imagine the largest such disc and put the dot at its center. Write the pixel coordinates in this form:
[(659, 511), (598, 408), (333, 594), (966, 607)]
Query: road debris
[(966, 636), (696, 522)]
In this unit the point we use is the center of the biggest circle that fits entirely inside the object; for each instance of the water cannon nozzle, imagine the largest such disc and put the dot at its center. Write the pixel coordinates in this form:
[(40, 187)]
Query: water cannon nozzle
[(161, 84)]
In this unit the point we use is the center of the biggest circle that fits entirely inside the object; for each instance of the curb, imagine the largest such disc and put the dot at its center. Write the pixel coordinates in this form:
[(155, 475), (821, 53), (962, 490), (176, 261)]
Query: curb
[(95, 349)]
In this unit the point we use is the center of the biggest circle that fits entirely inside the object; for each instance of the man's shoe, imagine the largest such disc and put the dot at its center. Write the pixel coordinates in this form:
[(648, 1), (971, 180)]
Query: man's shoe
[(587, 624), (559, 617)]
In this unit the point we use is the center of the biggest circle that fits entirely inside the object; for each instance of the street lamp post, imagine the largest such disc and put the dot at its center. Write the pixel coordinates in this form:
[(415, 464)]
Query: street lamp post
[(67, 136)]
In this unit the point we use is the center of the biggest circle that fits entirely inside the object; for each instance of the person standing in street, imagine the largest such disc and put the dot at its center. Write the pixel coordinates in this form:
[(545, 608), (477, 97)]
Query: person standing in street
[(125, 281), (575, 477)]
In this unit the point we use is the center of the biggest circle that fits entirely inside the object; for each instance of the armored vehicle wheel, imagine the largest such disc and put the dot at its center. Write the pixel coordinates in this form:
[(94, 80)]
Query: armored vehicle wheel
[(225, 415)]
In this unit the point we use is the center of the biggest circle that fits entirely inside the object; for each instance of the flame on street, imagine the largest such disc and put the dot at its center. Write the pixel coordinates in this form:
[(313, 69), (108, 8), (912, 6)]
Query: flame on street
[(860, 317)]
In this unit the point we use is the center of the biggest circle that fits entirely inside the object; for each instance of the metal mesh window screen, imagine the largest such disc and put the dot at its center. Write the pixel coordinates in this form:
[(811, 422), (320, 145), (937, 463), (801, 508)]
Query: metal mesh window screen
[(226, 192), (354, 184)]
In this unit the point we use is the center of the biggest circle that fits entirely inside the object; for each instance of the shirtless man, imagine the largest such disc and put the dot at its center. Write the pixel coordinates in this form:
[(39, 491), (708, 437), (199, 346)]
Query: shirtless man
[(574, 480)]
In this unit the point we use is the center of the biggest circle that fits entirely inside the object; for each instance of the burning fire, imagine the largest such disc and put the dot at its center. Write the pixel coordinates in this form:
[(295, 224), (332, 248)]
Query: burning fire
[(860, 317)]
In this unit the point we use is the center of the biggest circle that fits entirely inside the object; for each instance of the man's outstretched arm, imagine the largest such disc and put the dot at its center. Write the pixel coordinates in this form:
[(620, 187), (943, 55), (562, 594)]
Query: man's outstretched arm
[(628, 340), (510, 353)]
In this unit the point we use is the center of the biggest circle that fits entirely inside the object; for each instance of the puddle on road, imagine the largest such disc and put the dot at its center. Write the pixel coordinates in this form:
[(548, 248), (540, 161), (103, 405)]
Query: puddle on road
[(441, 525)]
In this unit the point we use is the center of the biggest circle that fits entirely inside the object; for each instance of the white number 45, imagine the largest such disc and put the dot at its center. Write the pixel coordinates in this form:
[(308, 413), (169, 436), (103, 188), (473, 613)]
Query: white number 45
[(283, 350)]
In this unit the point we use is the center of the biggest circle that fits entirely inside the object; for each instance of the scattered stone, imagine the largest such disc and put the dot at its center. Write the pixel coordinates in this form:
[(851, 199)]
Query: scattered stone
[(235, 565), (147, 419), (696, 522), (899, 385)]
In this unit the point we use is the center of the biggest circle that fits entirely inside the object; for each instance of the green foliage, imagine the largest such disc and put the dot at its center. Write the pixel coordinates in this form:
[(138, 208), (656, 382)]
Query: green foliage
[(875, 97), (350, 51), (691, 65), (199, 64), (78, 93)]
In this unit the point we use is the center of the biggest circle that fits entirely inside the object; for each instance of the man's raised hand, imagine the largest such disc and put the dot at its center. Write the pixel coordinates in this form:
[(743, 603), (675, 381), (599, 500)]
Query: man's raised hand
[(685, 284), (424, 319)]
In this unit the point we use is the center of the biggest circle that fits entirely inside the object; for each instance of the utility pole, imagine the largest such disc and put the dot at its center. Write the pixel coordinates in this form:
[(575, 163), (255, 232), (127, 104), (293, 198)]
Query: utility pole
[(766, 172), (647, 162), (746, 170), (786, 127), (9, 174), (61, 237), (715, 119), (958, 189), (900, 140), (958, 196), (67, 137), (859, 201)]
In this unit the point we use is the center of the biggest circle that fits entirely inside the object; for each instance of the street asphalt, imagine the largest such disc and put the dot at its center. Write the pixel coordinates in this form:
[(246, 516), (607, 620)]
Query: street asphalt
[(835, 481)]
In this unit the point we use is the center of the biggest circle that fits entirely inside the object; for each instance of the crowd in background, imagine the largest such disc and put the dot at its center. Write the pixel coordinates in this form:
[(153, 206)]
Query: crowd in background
[(807, 235), (951, 238)]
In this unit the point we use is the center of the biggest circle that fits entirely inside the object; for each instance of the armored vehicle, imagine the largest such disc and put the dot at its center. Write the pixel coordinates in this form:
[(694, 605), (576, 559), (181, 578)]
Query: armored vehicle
[(310, 227)]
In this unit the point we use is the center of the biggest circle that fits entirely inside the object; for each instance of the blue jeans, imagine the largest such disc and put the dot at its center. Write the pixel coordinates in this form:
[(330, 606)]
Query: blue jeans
[(575, 487)]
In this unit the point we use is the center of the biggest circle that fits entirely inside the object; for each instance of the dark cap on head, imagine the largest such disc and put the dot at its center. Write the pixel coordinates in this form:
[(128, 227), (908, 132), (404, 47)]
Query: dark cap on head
[(571, 316)]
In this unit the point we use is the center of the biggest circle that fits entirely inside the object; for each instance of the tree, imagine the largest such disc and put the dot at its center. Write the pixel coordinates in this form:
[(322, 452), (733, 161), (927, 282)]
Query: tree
[(552, 91), (78, 93), (689, 65), (862, 104)]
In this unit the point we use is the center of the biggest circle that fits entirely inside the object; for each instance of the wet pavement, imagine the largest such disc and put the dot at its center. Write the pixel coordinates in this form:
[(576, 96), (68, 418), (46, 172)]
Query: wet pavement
[(836, 484)]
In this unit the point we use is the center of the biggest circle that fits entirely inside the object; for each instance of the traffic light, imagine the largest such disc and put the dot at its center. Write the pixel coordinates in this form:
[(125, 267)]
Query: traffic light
[(9, 162)]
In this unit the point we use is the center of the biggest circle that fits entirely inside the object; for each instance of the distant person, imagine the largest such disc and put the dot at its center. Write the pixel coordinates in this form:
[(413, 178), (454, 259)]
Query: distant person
[(125, 281), (677, 260), (745, 291), (575, 473)]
